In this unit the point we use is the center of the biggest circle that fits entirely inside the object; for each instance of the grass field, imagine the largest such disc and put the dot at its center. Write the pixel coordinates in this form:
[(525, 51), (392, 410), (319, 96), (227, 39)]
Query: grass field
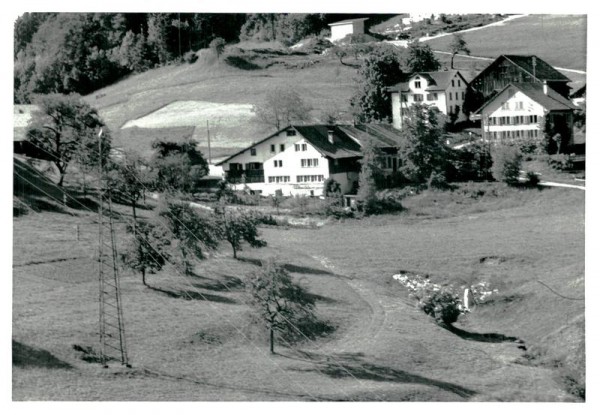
[(217, 92), (558, 39), (191, 338)]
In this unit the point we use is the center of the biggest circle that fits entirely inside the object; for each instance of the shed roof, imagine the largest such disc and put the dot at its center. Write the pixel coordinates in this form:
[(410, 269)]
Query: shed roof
[(348, 21)]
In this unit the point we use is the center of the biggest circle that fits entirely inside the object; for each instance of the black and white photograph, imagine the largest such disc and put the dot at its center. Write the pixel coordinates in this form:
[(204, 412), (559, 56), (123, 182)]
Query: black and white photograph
[(284, 204)]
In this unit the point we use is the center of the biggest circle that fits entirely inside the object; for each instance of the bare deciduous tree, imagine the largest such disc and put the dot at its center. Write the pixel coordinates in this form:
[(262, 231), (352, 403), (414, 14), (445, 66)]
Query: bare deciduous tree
[(281, 107)]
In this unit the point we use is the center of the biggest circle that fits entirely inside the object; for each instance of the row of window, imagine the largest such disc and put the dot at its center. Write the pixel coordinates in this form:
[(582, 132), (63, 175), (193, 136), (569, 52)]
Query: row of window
[(299, 179), (303, 163), (518, 105), (515, 120), (514, 134), (309, 162), (418, 83), (311, 178), (432, 97), (279, 179), (297, 147), (456, 96)]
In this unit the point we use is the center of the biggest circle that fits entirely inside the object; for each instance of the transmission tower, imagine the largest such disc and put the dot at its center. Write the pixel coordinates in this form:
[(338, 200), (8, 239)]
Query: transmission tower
[(112, 326)]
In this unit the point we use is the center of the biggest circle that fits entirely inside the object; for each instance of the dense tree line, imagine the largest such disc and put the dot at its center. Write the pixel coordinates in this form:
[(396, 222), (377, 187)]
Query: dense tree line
[(81, 52)]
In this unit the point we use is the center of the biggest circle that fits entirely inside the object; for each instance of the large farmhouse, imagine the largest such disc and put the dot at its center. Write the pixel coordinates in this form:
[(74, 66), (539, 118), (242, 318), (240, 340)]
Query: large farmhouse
[(444, 90), (298, 159), (507, 69), (520, 111)]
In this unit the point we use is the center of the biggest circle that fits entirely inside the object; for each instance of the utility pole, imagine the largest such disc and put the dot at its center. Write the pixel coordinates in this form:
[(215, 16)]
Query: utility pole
[(179, 33), (208, 136), (112, 326)]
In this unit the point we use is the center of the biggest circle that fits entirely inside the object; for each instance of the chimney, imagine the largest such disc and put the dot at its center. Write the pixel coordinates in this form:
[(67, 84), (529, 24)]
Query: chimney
[(330, 135), (545, 88)]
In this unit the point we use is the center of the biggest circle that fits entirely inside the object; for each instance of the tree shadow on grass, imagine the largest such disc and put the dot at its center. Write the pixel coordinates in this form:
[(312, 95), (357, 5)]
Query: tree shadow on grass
[(27, 356), (223, 283), (480, 337), (194, 295), (353, 365), (298, 269)]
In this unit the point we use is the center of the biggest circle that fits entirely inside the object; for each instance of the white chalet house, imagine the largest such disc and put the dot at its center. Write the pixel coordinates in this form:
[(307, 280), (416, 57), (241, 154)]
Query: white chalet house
[(340, 30), (519, 111), (444, 90), (297, 160)]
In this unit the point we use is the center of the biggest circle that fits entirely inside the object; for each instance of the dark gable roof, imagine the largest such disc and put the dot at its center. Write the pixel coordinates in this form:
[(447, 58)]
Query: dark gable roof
[(382, 135), (552, 102), (318, 135), (543, 70), (347, 139)]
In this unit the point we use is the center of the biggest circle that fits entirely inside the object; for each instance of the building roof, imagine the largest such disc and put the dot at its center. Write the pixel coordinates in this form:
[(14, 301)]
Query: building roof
[(348, 21), (347, 139), (343, 145), (580, 93), (552, 101), (543, 70), (436, 81)]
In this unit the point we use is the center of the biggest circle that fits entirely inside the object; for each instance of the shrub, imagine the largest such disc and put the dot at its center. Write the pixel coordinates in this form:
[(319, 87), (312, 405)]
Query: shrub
[(561, 161), (532, 179), (506, 164), (437, 180), (437, 301), (338, 212), (388, 202), (190, 57)]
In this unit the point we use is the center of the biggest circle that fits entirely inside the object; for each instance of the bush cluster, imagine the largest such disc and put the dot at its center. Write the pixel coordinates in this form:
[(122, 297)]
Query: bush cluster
[(435, 300), (506, 164), (561, 161)]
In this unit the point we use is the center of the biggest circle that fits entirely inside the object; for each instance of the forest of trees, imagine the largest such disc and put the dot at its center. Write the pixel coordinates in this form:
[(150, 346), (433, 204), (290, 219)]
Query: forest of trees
[(82, 52)]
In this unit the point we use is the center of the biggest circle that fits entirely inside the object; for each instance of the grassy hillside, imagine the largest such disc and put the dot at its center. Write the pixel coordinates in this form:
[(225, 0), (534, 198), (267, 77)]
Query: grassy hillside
[(558, 39), (199, 88), (191, 338)]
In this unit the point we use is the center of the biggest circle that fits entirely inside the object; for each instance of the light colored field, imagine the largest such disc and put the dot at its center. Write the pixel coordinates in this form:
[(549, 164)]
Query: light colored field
[(194, 113)]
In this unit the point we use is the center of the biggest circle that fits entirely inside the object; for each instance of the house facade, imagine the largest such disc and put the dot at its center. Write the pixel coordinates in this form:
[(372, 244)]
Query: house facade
[(444, 90), (340, 30), (520, 111), (521, 69), (297, 160)]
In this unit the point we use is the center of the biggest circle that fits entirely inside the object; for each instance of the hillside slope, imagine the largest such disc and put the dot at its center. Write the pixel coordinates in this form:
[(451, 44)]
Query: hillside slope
[(196, 90), (558, 39)]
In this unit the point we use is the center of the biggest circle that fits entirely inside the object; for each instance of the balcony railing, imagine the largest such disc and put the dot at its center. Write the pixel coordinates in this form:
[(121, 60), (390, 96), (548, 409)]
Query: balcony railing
[(245, 176)]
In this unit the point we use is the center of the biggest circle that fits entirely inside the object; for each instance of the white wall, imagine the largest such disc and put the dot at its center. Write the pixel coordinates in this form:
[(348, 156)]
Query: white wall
[(291, 166), (263, 150), (529, 107), (442, 102), (340, 31), (459, 88)]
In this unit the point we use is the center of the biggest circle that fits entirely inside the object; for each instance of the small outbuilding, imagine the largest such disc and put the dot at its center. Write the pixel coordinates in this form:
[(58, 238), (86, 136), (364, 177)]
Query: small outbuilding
[(340, 30)]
